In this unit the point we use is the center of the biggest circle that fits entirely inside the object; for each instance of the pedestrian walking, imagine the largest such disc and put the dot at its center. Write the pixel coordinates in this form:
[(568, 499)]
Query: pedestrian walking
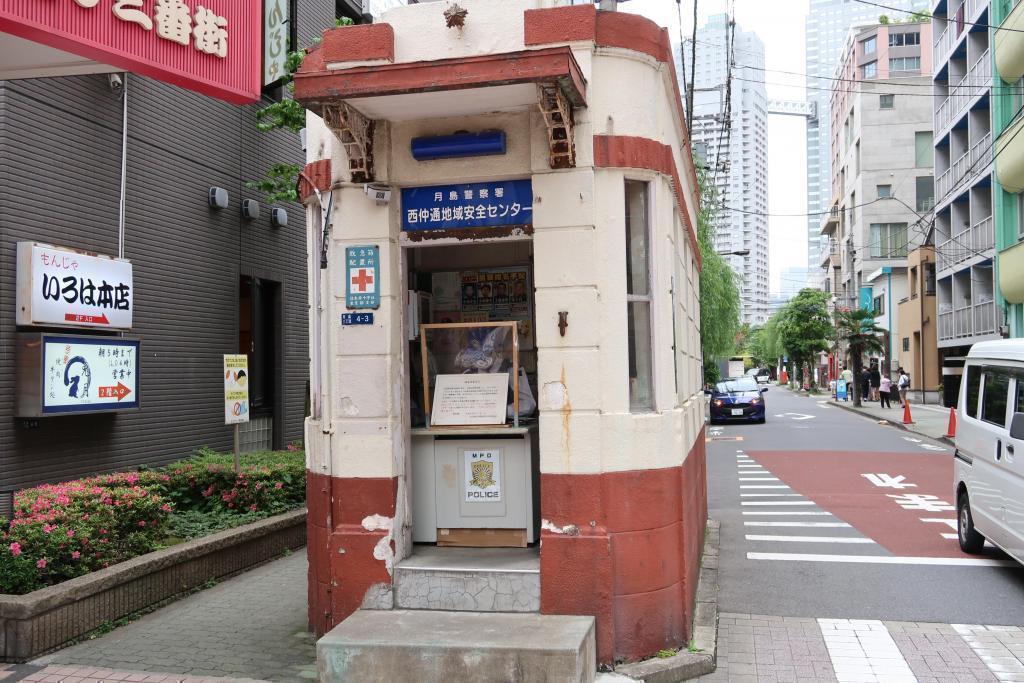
[(865, 384), (902, 385), (884, 388), (876, 378)]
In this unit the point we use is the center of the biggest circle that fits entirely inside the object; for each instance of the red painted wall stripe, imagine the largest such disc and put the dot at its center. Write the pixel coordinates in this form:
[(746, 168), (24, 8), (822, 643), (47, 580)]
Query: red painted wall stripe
[(316, 174), (96, 34), (358, 43), (625, 151)]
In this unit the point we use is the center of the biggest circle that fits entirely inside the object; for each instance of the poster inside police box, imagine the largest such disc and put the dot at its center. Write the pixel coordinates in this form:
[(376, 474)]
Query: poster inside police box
[(487, 295)]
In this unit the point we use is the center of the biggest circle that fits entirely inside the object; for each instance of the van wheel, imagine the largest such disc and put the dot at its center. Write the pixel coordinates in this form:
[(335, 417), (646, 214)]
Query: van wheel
[(971, 541)]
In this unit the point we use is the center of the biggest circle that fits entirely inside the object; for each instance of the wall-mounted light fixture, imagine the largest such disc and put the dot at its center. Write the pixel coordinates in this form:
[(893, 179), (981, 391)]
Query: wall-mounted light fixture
[(218, 198), (279, 218), (250, 209)]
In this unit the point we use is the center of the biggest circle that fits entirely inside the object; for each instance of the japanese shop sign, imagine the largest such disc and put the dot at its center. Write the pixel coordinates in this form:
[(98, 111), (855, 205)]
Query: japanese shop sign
[(469, 205), (60, 374), (210, 46), (236, 388), (276, 33), (65, 288), (362, 277)]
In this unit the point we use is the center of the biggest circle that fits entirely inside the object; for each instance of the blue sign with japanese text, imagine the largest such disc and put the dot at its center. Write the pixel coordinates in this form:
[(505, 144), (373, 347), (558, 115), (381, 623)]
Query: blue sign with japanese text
[(467, 205), (356, 319), (362, 275)]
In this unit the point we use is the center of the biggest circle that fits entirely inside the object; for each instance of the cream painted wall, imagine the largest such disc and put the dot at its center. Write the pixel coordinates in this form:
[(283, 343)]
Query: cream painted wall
[(579, 266)]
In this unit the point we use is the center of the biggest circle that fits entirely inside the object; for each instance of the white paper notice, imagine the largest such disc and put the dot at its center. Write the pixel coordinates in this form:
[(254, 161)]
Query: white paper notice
[(474, 399)]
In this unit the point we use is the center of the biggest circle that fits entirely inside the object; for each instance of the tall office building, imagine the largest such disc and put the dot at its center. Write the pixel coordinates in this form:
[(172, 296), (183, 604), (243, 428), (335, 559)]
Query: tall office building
[(828, 23), (737, 159)]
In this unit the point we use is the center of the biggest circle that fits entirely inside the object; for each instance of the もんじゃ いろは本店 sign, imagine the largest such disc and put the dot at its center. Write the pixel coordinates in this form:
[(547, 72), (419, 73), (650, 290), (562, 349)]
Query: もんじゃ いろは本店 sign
[(65, 288), (467, 205), (210, 47), (362, 277), (236, 388)]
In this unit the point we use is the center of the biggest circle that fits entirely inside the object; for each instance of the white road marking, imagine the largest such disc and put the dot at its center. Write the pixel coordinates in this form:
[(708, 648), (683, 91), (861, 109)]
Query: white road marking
[(998, 647), (766, 486), (795, 416), (748, 465), (863, 650), (929, 447), (883, 559), (888, 481), (759, 478), (917, 501), (776, 502), (911, 439), (951, 523), (801, 513), (770, 495), (816, 525), (950, 537), (811, 539)]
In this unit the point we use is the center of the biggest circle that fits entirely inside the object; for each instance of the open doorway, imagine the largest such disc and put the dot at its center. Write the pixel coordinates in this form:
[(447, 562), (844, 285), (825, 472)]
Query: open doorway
[(259, 337)]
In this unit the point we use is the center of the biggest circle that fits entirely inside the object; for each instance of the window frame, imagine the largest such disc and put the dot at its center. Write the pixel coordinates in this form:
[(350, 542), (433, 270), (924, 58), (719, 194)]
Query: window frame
[(648, 298), (872, 42), (886, 98), (874, 69), (970, 371), (887, 194), (986, 374), (875, 241)]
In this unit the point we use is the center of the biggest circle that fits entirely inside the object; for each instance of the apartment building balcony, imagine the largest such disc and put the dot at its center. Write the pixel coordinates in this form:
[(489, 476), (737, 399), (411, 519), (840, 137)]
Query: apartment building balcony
[(957, 26), (961, 247), (970, 321), (1010, 149), (830, 256), (970, 165), (1008, 45), (831, 223), (963, 93)]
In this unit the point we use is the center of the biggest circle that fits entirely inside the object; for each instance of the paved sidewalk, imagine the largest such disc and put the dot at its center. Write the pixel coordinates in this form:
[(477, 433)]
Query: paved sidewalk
[(251, 627), (779, 649), (929, 420), (55, 673)]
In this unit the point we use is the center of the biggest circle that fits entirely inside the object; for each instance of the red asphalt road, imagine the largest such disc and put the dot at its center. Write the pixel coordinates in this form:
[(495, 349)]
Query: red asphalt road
[(834, 481)]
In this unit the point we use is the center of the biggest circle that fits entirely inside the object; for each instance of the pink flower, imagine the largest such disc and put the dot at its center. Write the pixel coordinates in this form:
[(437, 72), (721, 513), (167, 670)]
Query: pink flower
[(142, 522), (47, 528), (71, 533), (279, 486), (252, 508), (165, 507), (75, 555), (41, 564), (15, 549)]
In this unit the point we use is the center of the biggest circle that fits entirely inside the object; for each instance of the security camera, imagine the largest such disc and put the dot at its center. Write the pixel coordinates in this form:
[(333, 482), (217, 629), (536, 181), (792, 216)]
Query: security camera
[(115, 84), (379, 193)]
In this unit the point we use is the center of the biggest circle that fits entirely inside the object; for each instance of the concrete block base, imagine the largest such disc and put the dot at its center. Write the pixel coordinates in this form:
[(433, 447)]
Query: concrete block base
[(427, 646)]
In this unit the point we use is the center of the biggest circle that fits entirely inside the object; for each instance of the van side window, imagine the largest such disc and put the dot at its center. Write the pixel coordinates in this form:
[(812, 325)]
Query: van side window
[(973, 389), (993, 407)]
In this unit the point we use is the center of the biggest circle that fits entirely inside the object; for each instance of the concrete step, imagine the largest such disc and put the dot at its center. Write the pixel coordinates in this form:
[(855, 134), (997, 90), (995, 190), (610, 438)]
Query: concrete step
[(430, 646), (469, 580)]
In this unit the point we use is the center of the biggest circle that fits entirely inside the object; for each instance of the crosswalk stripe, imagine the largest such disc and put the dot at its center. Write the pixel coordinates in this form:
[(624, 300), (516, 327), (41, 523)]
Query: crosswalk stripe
[(770, 495), (993, 646), (765, 486), (801, 513), (759, 478), (863, 650), (811, 539), (777, 502), (883, 559), (830, 525)]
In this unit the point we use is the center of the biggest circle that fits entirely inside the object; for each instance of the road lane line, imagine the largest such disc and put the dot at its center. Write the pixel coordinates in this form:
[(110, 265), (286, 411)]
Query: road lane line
[(802, 513), (766, 486), (759, 478), (883, 559), (770, 495), (811, 539), (863, 650), (830, 525), (776, 502)]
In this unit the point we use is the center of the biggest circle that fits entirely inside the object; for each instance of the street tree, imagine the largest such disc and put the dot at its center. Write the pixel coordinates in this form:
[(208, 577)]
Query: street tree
[(804, 330), (858, 330), (719, 295)]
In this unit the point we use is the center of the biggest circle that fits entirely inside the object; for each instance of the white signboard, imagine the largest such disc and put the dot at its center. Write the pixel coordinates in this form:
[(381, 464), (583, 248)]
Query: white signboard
[(483, 476), (236, 388), (89, 374), (60, 287), (474, 399), (275, 40)]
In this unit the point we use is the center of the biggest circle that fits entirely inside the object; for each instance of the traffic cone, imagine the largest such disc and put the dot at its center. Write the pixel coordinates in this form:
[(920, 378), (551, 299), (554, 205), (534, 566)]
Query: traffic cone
[(907, 420), (951, 429)]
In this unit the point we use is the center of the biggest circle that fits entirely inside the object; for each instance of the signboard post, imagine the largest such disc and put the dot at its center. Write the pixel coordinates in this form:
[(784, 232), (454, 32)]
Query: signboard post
[(236, 395), (59, 287)]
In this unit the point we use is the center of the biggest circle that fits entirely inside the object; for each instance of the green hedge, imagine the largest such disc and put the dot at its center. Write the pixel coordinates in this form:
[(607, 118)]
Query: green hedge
[(60, 531)]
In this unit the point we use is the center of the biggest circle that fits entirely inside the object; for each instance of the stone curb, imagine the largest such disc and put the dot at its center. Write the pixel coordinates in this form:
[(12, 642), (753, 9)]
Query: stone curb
[(686, 665), (891, 423)]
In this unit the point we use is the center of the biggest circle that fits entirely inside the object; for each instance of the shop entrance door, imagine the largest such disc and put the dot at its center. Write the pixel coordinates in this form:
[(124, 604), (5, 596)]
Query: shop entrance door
[(259, 337)]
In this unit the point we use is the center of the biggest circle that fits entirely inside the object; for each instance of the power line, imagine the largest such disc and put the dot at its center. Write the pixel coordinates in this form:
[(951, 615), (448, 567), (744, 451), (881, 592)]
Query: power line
[(869, 92)]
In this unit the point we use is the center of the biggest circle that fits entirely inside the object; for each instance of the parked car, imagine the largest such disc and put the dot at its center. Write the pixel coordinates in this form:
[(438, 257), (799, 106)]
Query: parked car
[(760, 375), (989, 455), (737, 398)]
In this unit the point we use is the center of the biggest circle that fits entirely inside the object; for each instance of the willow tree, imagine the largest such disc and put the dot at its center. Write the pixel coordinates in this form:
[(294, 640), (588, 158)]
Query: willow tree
[(719, 295)]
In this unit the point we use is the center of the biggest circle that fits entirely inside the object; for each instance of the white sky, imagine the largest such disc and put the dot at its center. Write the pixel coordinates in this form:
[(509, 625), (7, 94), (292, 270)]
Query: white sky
[(780, 25)]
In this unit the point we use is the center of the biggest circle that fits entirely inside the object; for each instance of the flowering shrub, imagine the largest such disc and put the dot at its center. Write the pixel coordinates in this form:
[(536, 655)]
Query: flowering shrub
[(60, 531)]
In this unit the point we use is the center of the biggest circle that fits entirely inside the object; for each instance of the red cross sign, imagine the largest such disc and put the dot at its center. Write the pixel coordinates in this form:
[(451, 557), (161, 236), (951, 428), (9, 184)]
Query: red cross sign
[(362, 280)]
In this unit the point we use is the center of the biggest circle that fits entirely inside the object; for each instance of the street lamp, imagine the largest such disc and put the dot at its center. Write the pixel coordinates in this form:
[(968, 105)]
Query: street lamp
[(738, 252)]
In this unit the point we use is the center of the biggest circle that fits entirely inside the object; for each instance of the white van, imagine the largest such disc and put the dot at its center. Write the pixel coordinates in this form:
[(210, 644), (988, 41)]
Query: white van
[(989, 457)]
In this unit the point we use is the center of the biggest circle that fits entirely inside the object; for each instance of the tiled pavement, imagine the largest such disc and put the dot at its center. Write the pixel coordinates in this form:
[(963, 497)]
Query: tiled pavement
[(56, 673), (781, 649), (251, 627)]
